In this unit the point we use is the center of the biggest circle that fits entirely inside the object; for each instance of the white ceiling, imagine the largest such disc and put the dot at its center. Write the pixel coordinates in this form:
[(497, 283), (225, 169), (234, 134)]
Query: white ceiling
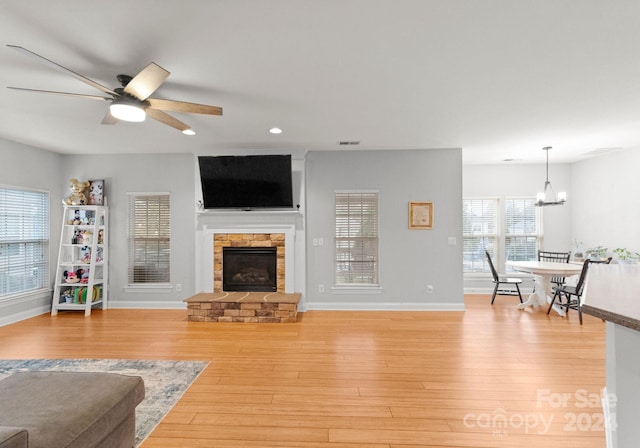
[(498, 78)]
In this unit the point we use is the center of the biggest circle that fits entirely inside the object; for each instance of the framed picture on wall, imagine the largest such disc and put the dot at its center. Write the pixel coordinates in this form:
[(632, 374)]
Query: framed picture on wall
[(95, 192), (420, 215)]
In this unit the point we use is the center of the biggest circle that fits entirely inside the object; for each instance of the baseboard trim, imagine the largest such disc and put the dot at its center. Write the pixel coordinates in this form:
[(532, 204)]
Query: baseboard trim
[(389, 306), (142, 304)]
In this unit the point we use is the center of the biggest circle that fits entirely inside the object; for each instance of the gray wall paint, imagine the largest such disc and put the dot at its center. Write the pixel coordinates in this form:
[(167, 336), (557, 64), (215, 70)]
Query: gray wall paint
[(409, 259), (27, 167), (172, 173)]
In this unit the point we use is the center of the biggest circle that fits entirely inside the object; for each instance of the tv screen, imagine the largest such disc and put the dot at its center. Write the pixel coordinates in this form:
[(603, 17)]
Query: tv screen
[(262, 181)]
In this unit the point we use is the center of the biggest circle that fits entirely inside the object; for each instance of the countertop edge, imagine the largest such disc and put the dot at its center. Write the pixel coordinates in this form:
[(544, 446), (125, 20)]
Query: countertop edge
[(619, 319)]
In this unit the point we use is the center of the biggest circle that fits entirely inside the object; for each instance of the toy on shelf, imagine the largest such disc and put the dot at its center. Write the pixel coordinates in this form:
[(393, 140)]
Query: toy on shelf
[(71, 277), (77, 196), (83, 274), (67, 296), (86, 254)]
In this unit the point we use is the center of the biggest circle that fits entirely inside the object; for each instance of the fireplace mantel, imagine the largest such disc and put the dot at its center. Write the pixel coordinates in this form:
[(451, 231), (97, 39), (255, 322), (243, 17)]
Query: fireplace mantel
[(211, 223)]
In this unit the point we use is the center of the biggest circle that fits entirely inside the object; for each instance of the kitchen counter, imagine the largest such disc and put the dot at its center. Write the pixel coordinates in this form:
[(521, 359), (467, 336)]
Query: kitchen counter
[(613, 294)]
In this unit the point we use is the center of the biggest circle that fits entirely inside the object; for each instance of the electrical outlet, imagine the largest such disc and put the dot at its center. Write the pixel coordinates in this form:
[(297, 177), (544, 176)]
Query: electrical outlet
[(430, 289), (178, 287), (320, 241), (320, 288), (315, 241)]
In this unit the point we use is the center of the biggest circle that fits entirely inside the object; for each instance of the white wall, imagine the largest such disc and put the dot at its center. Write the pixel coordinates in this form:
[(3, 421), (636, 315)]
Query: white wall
[(606, 195), (409, 260), (508, 179), (27, 167)]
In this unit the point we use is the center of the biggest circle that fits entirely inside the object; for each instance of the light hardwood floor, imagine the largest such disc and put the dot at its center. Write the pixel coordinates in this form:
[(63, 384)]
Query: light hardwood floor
[(492, 376)]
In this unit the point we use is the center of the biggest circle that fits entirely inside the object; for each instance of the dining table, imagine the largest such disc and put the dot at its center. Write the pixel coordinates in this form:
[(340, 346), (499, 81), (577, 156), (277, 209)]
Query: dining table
[(543, 272)]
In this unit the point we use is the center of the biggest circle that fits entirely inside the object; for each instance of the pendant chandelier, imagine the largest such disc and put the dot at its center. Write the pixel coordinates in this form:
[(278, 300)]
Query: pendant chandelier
[(548, 196)]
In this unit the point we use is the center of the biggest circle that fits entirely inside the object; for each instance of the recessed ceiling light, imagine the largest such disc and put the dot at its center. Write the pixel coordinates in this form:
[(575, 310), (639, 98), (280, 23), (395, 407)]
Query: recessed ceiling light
[(189, 132), (275, 130)]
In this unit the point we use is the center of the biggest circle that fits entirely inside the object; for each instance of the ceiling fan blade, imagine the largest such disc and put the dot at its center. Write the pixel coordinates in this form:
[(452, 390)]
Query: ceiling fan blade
[(167, 119), (63, 69), (183, 106), (109, 119), (79, 95), (147, 81)]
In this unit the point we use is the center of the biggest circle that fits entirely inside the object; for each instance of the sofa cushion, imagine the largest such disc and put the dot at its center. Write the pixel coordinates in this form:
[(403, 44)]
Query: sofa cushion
[(68, 409), (11, 437)]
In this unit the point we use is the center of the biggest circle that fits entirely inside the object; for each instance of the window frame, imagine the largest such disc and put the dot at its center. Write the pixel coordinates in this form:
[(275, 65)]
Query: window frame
[(538, 233), (341, 287), (491, 235), (41, 239), (499, 254), (131, 260)]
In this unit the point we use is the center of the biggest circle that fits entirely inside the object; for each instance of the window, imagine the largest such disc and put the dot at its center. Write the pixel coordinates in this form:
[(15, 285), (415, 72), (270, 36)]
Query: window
[(479, 233), (356, 238), (523, 229), (149, 238), (516, 226), (24, 241)]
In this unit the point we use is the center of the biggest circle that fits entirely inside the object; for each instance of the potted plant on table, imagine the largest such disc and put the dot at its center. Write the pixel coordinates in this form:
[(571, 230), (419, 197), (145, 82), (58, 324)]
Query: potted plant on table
[(597, 253), (624, 255)]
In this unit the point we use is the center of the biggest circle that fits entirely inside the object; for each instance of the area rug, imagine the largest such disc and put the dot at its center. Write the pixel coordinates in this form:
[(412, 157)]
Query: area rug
[(164, 381)]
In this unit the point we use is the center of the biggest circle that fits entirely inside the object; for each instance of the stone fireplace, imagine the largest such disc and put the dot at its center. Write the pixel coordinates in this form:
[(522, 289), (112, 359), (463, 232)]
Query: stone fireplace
[(242, 262), (217, 230), (246, 230)]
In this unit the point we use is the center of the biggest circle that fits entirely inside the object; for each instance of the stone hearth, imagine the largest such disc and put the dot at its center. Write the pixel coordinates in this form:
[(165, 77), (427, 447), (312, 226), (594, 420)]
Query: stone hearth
[(250, 307)]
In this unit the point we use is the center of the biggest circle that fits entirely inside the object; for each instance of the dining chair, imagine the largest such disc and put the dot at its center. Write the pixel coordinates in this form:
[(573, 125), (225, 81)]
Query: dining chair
[(559, 257), (573, 294), (498, 290)]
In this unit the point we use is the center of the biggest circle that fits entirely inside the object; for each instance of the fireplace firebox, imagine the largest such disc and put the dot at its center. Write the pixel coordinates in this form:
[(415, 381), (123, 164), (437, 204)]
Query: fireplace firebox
[(249, 269)]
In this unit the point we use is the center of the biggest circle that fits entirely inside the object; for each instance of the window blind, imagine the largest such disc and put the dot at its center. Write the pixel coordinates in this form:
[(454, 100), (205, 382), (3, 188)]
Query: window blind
[(356, 238), (24, 241), (149, 238), (479, 233), (523, 229)]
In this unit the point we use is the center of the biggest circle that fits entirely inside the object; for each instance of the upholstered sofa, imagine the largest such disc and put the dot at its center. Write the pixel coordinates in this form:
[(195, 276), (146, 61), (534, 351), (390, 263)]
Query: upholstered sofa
[(69, 410)]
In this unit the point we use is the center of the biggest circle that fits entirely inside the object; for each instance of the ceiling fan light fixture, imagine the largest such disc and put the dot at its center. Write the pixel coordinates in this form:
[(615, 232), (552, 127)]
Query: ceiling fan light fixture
[(127, 112), (189, 132)]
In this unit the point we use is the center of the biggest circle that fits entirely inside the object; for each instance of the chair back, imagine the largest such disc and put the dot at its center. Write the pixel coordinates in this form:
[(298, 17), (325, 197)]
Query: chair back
[(583, 273), (559, 257), (496, 277)]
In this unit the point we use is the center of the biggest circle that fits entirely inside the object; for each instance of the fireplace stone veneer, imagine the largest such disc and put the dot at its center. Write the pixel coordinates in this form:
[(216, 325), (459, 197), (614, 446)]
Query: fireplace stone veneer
[(276, 240), (248, 307)]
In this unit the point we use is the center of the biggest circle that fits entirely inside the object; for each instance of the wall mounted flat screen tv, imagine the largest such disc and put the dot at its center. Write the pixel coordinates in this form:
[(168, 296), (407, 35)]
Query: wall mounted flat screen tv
[(246, 182)]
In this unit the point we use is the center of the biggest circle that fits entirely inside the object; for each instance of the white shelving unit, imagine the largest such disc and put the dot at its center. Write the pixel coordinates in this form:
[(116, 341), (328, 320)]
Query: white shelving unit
[(82, 274)]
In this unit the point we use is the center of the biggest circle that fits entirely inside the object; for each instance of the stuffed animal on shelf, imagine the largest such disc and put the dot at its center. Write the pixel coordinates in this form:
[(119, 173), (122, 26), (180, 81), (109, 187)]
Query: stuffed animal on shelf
[(83, 274), (71, 277), (77, 196)]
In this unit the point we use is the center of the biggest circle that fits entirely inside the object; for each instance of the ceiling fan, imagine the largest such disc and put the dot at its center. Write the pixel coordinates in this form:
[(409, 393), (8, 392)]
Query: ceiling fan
[(132, 101)]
